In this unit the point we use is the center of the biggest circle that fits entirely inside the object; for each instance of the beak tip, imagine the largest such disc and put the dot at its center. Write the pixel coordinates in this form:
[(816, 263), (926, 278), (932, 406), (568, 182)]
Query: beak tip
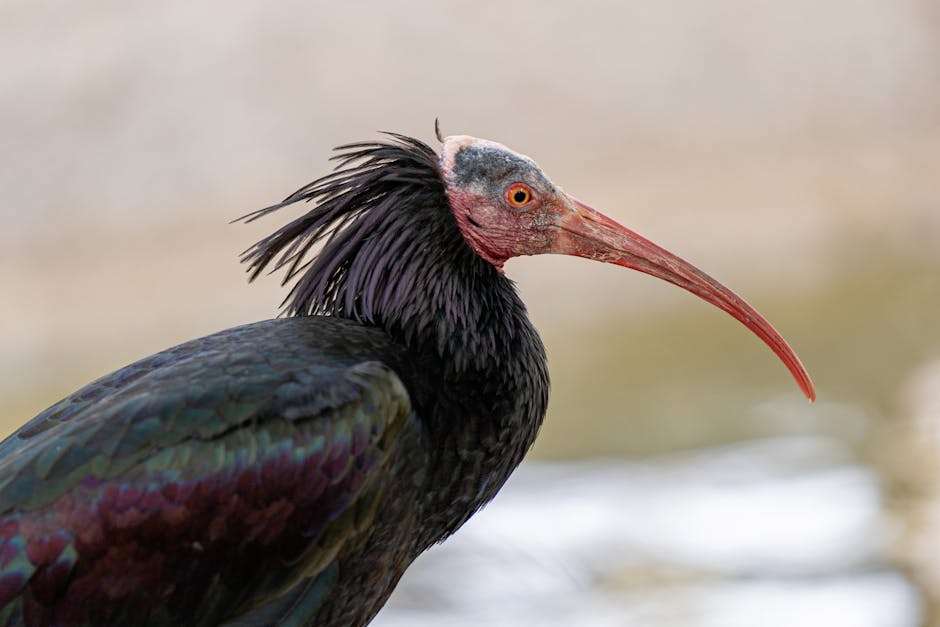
[(805, 383)]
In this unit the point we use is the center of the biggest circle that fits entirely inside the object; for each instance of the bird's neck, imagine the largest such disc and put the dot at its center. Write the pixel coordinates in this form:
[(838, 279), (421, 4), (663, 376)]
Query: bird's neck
[(480, 383)]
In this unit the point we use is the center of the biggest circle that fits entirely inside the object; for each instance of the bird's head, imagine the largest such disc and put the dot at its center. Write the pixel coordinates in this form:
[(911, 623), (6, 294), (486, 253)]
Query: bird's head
[(505, 206), (503, 202)]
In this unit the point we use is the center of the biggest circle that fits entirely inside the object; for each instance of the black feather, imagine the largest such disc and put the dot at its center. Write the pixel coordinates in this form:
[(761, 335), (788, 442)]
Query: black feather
[(369, 212)]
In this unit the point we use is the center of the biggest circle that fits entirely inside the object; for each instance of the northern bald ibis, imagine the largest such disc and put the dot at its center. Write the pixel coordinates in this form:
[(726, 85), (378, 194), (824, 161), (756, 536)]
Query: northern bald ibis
[(287, 472)]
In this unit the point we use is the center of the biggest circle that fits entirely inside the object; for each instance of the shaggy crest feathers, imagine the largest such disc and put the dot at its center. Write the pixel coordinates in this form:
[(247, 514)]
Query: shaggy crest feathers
[(372, 214)]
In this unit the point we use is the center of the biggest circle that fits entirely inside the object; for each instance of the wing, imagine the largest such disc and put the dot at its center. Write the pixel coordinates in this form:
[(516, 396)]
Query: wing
[(199, 480)]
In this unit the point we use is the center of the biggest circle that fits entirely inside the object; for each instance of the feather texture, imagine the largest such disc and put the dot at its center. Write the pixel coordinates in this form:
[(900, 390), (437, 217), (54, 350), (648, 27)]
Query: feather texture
[(130, 506)]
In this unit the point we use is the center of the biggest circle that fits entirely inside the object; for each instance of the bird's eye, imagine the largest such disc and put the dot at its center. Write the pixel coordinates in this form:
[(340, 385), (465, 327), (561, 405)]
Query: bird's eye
[(518, 195)]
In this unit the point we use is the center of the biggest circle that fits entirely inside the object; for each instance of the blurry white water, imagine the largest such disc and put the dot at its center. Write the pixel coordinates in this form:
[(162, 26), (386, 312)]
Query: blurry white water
[(775, 532)]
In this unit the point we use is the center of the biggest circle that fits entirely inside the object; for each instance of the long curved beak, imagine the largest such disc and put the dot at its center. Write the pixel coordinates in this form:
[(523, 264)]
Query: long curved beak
[(587, 233)]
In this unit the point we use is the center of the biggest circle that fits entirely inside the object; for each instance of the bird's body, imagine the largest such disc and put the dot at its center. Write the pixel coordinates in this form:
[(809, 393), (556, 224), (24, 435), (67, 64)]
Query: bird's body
[(230, 467), (288, 472)]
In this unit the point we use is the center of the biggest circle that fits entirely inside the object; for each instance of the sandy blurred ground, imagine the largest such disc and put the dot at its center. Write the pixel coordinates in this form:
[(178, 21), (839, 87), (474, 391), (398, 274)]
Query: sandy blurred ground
[(790, 148)]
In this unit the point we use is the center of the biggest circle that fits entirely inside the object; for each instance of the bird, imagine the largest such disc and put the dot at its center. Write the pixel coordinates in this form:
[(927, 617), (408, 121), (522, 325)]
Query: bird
[(288, 471)]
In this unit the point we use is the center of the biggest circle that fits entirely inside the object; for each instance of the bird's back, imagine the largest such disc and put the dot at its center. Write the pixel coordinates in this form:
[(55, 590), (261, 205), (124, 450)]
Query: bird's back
[(232, 475)]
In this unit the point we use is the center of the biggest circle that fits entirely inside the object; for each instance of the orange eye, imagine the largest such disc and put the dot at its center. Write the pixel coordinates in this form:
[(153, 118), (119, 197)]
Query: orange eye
[(518, 195)]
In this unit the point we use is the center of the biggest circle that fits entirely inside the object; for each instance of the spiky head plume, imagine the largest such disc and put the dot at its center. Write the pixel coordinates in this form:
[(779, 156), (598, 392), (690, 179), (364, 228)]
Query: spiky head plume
[(383, 204)]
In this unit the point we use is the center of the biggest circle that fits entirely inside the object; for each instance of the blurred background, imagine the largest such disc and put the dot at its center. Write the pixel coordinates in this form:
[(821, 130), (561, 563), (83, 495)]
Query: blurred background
[(792, 149)]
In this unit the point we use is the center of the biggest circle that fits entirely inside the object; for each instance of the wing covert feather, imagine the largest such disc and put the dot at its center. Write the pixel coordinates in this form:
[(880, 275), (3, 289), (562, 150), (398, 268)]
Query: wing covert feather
[(208, 482)]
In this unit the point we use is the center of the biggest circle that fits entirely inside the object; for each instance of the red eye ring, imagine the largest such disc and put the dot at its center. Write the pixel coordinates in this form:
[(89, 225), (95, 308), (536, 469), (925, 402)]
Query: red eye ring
[(518, 195)]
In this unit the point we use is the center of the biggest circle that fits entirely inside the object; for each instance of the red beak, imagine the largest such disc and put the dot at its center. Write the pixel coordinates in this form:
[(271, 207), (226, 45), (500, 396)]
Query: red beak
[(590, 234)]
